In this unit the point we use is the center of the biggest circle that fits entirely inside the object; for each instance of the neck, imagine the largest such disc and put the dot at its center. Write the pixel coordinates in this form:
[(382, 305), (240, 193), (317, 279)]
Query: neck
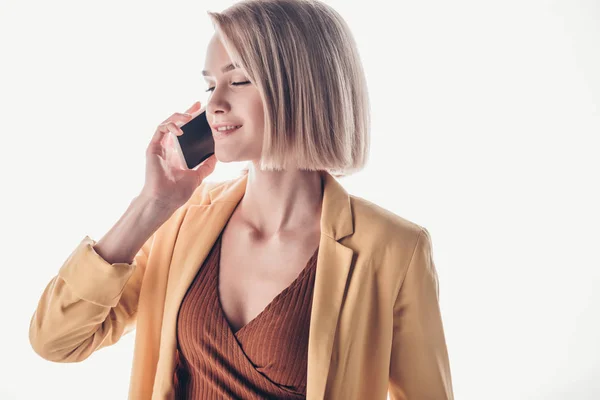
[(279, 202)]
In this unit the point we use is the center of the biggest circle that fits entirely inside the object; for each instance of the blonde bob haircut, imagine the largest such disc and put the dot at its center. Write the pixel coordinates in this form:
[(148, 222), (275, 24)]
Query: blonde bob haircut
[(303, 59)]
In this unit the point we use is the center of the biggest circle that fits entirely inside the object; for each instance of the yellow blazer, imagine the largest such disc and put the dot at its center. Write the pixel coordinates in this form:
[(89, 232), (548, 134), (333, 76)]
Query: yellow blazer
[(375, 328)]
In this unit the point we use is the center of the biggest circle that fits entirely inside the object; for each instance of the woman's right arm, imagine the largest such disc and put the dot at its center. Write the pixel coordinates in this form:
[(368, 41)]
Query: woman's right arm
[(93, 300)]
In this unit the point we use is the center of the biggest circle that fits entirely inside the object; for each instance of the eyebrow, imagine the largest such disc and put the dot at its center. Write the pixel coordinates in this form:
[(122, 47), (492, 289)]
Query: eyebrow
[(226, 68)]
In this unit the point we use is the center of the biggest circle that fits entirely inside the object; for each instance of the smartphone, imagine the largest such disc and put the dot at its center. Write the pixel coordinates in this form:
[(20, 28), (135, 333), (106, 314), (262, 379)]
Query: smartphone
[(197, 143)]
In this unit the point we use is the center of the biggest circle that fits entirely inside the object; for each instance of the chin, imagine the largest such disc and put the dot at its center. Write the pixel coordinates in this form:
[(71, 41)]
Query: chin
[(225, 156)]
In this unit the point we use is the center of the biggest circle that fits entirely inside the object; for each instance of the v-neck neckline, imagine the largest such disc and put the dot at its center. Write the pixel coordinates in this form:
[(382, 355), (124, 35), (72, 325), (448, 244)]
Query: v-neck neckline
[(275, 300)]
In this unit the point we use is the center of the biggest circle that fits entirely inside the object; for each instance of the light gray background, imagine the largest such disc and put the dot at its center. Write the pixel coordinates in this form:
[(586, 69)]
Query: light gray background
[(485, 130)]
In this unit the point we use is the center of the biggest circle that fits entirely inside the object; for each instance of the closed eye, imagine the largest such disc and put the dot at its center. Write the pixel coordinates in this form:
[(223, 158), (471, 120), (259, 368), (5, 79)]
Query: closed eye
[(233, 83)]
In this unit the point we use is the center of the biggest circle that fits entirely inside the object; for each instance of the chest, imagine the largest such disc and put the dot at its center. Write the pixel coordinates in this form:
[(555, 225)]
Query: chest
[(252, 274)]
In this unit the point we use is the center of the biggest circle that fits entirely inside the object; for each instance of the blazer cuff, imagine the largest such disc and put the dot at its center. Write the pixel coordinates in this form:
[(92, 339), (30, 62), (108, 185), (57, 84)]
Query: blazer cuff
[(92, 278)]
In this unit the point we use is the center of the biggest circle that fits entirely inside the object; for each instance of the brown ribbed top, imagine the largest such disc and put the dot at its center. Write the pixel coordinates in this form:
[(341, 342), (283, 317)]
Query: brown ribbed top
[(266, 358)]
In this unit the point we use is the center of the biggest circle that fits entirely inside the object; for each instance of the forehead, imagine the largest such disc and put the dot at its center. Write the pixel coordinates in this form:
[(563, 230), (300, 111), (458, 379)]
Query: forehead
[(215, 47), (216, 57)]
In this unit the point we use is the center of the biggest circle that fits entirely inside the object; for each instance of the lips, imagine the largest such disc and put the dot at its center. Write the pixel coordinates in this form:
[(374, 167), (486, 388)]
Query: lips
[(221, 134), (220, 129), (226, 123)]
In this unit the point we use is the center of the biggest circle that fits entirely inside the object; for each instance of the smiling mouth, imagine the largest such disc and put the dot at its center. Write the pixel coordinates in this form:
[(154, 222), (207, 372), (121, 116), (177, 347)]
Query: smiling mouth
[(221, 133)]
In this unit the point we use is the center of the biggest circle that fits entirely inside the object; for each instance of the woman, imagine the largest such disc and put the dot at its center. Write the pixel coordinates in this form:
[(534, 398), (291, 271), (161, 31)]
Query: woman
[(275, 284)]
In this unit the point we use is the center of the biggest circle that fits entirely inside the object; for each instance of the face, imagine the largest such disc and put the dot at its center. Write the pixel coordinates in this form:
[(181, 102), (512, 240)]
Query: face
[(233, 100)]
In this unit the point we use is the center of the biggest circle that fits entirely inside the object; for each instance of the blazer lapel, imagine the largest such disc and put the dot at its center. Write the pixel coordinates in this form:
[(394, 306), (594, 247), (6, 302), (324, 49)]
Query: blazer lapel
[(199, 231), (333, 267)]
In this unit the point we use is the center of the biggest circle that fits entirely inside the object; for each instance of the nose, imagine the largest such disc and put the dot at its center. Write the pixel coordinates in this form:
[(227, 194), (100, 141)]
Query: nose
[(217, 103), (214, 114)]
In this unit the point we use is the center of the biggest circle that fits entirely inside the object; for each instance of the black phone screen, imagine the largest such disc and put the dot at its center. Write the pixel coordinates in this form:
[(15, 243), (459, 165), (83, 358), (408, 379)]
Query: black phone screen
[(196, 143)]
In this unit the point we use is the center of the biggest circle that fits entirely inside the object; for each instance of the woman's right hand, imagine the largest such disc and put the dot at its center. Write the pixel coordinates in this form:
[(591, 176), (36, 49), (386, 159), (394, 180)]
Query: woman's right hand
[(168, 179)]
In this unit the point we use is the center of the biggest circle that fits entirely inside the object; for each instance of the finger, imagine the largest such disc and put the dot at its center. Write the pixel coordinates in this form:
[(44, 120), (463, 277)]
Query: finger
[(159, 133), (173, 155), (178, 118), (198, 112), (195, 107), (182, 163), (169, 143), (206, 167), (174, 128), (183, 118), (158, 139), (203, 172), (186, 115), (178, 158)]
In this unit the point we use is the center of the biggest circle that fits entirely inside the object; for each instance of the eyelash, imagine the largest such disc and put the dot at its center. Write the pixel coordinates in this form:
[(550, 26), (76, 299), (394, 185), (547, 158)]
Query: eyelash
[(233, 83)]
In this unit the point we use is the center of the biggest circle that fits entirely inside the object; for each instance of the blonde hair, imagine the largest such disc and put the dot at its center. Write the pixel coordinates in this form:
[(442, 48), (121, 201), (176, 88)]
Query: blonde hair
[(303, 59)]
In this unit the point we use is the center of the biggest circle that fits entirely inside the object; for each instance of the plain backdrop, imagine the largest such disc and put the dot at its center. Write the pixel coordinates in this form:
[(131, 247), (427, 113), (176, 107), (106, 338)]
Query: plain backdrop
[(485, 130)]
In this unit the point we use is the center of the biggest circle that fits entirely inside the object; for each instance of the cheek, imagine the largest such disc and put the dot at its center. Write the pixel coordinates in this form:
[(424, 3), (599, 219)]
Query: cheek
[(257, 113), (254, 101)]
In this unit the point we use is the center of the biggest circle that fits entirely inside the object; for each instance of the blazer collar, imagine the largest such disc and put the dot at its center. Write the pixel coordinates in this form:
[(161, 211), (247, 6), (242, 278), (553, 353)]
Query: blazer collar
[(198, 232)]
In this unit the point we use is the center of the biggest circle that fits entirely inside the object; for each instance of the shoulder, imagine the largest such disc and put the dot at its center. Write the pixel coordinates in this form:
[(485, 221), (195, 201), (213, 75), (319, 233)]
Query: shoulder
[(388, 238), (381, 222)]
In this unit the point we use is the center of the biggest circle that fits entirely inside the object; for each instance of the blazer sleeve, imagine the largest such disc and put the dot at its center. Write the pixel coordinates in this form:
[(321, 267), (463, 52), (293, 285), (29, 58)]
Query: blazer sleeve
[(419, 366), (88, 305)]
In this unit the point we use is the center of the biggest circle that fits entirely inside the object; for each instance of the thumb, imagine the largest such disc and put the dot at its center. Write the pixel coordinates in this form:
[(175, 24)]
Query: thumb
[(206, 168)]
